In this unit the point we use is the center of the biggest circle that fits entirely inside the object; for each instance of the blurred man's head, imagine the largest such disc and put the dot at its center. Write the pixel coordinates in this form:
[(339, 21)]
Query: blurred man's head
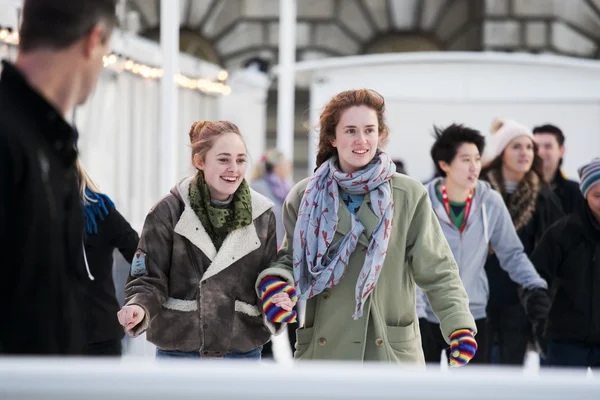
[(400, 168), (551, 147), (78, 31)]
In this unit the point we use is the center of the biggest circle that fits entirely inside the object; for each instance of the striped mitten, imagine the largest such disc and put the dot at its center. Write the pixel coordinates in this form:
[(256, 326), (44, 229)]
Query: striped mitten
[(462, 347), (270, 286)]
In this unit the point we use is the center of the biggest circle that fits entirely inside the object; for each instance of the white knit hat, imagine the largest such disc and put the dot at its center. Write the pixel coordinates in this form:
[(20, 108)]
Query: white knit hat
[(503, 132)]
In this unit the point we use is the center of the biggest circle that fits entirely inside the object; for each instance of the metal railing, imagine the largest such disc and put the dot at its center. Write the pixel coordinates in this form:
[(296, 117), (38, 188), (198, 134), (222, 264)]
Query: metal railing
[(91, 379)]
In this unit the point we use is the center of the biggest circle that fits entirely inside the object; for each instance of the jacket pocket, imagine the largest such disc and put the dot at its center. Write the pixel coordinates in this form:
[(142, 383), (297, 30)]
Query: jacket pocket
[(405, 344), (181, 305), (401, 334), (248, 330), (303, 340), (246, 308), (176, 313)]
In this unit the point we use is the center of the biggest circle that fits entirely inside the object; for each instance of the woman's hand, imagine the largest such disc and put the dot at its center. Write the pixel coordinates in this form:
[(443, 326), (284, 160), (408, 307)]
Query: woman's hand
[(283, 300), (462, 347), (278, 300), (130, 316)]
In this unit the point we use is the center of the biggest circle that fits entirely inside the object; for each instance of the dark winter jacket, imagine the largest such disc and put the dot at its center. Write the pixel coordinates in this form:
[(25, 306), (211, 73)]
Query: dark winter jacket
[(568, 257), (41, 225), (568, 193), (114, 232), (537, 209), (195, 298)]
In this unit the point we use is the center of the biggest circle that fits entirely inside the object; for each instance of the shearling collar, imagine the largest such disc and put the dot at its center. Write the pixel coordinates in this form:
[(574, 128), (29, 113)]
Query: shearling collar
[(237, 244)]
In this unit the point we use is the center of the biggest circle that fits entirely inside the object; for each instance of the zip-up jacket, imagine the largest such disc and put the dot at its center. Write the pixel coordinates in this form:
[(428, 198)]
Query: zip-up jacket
[(488, 226)]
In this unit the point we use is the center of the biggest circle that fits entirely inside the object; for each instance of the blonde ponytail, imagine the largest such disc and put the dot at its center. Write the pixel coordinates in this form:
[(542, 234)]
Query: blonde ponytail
[(85, 182)]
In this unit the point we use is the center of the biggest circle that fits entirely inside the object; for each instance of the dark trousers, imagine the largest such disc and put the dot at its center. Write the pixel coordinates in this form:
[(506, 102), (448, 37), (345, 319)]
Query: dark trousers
[(564, 354), (268, 347), (510, 332), (107, 348), (433, 342)]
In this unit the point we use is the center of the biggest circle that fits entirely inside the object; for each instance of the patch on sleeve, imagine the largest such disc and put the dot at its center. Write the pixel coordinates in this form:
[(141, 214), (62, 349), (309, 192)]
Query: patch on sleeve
[(138, 265)]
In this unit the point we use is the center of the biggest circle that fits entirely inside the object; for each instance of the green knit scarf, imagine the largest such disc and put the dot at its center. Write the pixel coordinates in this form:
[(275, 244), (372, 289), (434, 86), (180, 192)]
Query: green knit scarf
[(220, 221)]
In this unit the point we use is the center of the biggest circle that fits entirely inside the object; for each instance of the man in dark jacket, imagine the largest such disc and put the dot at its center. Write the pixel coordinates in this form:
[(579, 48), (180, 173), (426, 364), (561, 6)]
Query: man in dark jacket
[(551, 149), (568, 257), (61, 47)]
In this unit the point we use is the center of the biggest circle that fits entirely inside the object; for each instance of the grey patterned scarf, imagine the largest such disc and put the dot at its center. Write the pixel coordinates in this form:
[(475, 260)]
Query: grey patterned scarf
[(320, 264)]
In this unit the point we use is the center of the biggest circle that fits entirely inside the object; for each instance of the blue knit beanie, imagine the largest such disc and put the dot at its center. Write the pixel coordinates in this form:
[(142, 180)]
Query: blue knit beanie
[(589, 175)]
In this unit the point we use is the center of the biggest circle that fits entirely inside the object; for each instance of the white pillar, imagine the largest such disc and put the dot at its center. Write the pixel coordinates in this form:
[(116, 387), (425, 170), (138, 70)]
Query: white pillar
[(313, 134), (286, 79), (246, 107), (169, 43)]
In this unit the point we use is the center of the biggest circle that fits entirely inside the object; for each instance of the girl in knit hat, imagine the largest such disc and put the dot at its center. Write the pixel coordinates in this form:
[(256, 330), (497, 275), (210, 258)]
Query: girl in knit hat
[(359, 236), (568, 257), (512, 168)]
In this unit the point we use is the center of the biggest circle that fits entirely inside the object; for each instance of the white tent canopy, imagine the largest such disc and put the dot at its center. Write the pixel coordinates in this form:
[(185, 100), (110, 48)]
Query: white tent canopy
[(423, 89)]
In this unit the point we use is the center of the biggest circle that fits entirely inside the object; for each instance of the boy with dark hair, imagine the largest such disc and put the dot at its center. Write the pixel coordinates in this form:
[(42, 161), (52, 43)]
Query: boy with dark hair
[(474, 218), (61, 49), (551, 149)]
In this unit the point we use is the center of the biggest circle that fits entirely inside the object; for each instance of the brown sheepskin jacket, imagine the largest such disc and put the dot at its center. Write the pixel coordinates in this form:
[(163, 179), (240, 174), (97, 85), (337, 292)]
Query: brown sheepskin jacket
[(195, 298)]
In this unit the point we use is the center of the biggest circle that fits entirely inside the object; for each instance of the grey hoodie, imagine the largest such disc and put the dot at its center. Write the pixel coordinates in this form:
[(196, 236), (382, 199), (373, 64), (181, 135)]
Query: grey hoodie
[(489, 222)]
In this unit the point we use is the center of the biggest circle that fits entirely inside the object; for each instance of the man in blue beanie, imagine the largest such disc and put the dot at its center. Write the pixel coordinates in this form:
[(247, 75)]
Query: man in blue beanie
[(568, 258)]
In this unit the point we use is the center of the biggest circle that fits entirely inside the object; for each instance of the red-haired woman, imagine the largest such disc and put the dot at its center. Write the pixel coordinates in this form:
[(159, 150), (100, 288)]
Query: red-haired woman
[(358, 238), (201, 250)]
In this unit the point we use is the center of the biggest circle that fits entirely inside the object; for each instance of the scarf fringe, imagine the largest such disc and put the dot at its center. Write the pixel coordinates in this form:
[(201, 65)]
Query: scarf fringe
[(98, 207)]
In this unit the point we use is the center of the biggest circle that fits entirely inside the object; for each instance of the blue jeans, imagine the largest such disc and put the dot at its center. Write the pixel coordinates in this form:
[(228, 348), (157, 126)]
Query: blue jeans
[(572, 355), (252, 355)]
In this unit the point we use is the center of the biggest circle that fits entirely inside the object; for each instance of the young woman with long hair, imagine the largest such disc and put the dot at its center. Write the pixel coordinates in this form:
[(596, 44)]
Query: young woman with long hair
[(513, 168), (359, 237)]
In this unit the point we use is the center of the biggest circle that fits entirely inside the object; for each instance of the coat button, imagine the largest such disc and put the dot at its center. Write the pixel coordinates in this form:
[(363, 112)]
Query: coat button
[(379, 342), (325, 294), (322, 342)]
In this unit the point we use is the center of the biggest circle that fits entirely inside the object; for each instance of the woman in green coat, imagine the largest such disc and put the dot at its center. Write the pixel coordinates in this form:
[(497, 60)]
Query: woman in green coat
[(358, 238)]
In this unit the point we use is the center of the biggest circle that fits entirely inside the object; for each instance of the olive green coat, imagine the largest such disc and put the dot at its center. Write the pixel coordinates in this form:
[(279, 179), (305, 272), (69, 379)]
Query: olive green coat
[(389, 329)]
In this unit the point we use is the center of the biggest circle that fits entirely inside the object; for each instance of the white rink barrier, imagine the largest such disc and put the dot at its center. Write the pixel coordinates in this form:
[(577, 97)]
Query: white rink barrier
[(66, 379)]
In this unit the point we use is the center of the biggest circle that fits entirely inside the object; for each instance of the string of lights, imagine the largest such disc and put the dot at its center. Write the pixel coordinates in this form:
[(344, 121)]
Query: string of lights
[(119, 63)]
